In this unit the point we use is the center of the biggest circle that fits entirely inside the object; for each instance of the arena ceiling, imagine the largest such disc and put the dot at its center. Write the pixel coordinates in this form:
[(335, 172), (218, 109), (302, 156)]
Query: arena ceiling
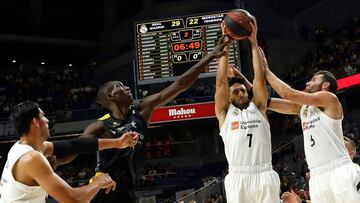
[(49, 28)]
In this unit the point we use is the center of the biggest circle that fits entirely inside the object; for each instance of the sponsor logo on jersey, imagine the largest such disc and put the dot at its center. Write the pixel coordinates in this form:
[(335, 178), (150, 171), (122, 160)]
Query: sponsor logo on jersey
[(306, 125), (250, 124), (235, 125)]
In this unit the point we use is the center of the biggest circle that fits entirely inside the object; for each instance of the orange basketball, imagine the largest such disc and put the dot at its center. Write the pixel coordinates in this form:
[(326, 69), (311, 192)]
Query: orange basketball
[(238, 25)]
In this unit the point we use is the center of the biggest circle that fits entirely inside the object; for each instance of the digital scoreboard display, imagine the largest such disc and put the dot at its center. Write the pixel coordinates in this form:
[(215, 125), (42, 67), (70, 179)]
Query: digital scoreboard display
[(167, 48)]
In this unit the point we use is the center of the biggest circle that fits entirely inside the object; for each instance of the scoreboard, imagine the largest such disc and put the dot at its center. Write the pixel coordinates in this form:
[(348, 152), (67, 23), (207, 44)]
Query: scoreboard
[(167, 48)]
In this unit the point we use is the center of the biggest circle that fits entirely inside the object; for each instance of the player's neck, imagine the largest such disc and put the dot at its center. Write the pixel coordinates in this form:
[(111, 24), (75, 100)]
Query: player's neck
[(120, 113), (28, 140)]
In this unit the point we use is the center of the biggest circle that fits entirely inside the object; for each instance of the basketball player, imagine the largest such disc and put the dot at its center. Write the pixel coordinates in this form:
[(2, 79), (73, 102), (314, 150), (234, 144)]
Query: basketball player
[(245, 131), (333, 176), (28, 176), (292, 197), (126, 116)]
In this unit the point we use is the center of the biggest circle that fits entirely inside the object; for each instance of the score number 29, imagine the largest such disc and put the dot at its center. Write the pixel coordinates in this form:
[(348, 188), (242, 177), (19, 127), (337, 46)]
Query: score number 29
[(175, 23)]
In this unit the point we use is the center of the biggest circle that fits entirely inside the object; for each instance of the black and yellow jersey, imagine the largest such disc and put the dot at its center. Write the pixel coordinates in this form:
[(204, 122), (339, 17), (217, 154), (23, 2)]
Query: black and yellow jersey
[(115, 161)]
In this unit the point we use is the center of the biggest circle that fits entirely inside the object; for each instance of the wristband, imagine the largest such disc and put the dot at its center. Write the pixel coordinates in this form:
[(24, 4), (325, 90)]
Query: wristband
[(96, 174)]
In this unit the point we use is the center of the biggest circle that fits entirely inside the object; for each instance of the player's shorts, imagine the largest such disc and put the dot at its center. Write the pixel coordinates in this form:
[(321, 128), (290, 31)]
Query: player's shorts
[(335, 182), (252, 184)]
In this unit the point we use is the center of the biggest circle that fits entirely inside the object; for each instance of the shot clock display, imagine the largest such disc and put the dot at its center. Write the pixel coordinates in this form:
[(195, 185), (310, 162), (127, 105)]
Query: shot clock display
[(167, 48)]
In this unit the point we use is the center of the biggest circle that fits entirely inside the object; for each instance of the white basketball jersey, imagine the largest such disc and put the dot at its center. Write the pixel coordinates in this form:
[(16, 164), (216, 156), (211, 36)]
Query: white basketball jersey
[(246, 136), (323, 137), (16, 192)]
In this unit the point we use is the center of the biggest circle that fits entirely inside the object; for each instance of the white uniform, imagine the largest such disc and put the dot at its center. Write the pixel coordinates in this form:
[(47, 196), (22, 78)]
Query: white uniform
[(247, 140), (16, 192), (333, 176)]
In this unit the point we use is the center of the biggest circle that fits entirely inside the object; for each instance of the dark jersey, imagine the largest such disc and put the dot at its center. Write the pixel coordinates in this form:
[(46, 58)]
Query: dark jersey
[(116, 161)]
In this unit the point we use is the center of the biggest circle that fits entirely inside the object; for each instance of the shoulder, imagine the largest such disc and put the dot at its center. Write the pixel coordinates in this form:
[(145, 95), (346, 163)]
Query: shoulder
[(95, 129), (326, 95), (31, 158)]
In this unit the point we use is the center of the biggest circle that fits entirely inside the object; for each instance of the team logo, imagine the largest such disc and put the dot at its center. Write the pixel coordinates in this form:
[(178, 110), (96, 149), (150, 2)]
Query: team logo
[(236, 112), (133, 124), (143, 29)]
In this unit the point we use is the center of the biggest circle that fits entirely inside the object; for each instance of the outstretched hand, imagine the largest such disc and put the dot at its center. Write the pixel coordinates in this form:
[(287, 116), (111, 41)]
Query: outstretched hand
[(222, 46), (128, 139), (104, 181), (253, 35)]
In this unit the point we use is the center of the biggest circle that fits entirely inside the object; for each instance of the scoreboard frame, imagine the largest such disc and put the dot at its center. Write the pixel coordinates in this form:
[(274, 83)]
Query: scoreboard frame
[(181, 41)]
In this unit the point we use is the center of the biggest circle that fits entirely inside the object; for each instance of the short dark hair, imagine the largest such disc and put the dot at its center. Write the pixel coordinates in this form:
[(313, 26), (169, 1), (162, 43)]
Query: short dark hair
[(22, 115), (329, 77), (234, 80), (101, 94)]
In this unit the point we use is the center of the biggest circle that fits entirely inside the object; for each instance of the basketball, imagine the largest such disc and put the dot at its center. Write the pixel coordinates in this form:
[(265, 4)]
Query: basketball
[(237, 24)]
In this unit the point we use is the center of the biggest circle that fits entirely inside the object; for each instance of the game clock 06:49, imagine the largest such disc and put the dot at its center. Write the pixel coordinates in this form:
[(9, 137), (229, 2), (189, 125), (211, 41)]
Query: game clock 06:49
[(186, 46)]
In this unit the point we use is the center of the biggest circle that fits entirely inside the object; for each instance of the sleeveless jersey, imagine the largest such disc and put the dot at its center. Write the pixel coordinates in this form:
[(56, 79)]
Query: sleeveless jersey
[(246, 136), (323, 137), (14, 191), (115, 161)]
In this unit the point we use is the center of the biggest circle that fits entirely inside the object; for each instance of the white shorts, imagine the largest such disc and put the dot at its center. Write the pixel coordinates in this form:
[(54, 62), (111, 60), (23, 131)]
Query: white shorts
[(252, 184), (337, 182)]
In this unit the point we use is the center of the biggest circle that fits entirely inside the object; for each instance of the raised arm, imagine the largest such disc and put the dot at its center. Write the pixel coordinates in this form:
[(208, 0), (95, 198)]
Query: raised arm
[(87, 143), (222, 88), (284, 106), (323, 99), (234, 72), (182, 83), (259, 83), (34, 166)]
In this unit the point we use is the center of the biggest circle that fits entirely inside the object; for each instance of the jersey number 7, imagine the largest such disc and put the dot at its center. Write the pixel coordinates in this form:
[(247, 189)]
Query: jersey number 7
[(250, 139)]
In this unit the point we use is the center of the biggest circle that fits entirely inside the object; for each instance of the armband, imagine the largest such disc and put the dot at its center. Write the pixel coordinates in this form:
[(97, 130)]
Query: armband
[(75, 146)]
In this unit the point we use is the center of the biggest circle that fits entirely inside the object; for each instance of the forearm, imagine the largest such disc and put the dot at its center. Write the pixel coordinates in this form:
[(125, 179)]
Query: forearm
[(278, 85), (191, 75), (257, 62), (248, 84), (222, 70), (86, 193), (108, 144)]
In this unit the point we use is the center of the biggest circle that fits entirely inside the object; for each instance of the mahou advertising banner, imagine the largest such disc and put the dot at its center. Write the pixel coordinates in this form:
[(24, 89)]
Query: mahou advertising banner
[(183, 112)]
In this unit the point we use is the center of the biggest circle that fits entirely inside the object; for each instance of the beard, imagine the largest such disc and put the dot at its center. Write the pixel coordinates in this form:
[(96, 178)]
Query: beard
[(240, 105), (313, 89)]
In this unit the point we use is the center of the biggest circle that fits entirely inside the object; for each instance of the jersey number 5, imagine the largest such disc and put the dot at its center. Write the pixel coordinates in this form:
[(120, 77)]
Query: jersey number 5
[(312, 141), (250, 139)]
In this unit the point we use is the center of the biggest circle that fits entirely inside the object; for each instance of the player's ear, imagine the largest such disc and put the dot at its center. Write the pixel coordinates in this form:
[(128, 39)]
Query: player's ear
[(326, 85), (35, 122)]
